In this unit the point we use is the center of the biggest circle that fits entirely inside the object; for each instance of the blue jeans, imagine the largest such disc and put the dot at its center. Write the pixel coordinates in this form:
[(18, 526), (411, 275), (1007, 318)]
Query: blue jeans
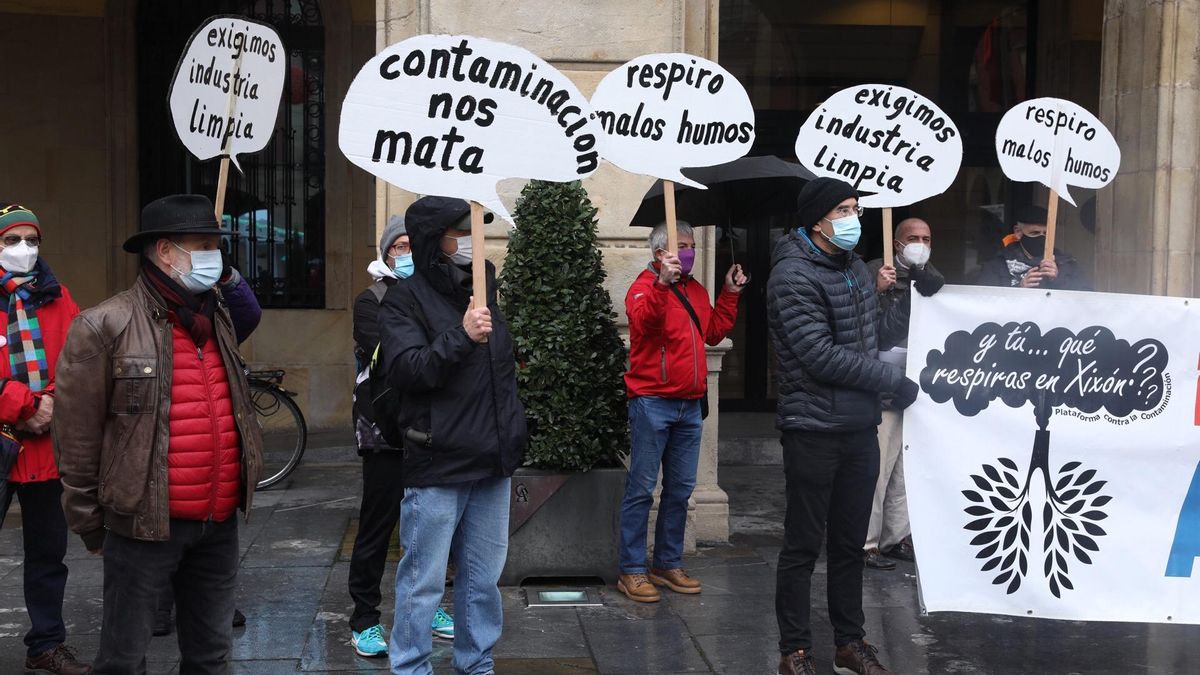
[(471, 518), (664, 432)]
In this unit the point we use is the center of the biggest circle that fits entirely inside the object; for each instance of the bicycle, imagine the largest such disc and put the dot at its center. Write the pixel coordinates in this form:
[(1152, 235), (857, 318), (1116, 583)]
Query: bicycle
[(285, 433)]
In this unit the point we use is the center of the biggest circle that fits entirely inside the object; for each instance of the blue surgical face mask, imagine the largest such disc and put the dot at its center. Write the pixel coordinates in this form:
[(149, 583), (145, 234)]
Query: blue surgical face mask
[(205, 272), (403, 266), (846, 232)]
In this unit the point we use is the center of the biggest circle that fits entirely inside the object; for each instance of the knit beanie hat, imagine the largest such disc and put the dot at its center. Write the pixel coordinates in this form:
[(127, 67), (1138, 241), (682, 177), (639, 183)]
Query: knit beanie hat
[(818, 198), (13, 215), (394, 230)]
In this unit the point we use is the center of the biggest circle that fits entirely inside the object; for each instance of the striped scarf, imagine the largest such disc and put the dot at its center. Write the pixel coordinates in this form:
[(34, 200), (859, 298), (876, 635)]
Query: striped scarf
[(26, 351)]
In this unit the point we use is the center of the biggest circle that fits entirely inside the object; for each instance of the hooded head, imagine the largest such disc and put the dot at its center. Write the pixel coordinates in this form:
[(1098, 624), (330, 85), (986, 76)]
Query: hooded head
[(427, 221), (393, 231)]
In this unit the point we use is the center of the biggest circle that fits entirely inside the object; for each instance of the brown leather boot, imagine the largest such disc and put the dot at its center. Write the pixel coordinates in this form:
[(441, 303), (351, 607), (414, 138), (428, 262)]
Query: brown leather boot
[(676, 580), (858, 658), (638, 588), (799, 662), (59, 661)]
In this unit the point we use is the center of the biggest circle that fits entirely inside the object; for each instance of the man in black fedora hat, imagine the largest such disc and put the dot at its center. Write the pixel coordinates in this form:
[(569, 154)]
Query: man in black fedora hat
[(158, 445)]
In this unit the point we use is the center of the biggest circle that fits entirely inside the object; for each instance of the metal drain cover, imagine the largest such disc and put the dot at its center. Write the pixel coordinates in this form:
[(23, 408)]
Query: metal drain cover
[(561, 597)]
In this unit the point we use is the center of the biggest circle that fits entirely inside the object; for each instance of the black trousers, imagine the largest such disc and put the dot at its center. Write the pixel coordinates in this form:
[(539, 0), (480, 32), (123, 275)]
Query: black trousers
[(200, 561), (830, 485), (377, 520), (44, 535)]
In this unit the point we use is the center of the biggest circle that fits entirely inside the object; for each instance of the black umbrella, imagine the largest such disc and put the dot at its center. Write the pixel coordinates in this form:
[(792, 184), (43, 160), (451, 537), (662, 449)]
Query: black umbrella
[(743, 188)]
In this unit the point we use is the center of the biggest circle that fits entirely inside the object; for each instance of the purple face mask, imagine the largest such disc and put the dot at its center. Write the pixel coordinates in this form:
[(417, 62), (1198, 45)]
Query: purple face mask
[(687, 258)]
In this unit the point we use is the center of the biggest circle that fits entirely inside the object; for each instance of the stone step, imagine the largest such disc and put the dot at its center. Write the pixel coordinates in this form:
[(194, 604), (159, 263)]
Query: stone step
[(748, 439)]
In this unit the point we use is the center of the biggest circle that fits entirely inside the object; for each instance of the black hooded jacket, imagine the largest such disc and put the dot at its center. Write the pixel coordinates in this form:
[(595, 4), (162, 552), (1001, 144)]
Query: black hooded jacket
[(827, 328), (461, 393), (1012, 263)]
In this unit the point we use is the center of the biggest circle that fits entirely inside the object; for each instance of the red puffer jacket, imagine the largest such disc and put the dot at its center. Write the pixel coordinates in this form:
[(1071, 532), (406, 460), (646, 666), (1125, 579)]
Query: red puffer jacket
[(36, 461), (666, 352), (204, 454)]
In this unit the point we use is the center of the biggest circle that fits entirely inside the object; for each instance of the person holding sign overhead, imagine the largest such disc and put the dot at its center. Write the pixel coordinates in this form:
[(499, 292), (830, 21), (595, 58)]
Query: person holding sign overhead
[(670, 321), (827, 328), (450, 356), (1025, 264)]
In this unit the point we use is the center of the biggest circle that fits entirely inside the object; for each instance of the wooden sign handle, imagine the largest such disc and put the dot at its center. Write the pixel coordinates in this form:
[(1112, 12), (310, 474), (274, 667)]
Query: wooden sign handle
[(672, 229), (1051, 225), (222, 181), (888, 253), (478, 257)]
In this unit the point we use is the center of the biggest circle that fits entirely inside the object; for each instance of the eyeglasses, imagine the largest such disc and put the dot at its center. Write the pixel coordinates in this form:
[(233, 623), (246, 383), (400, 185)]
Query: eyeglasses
[(14, 239), (399, 248), (847, 211)]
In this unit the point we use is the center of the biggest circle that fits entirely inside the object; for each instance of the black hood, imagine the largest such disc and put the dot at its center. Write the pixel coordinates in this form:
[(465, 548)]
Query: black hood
[(427, 220)]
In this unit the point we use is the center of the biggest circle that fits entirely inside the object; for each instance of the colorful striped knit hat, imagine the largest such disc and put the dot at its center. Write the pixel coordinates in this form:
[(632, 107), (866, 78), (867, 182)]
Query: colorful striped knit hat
[(13, 215)]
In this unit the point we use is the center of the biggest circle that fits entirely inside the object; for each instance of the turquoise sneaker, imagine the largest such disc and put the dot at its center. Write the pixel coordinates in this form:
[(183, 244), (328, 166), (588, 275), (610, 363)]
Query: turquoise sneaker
[(443, 625), (370, 642)]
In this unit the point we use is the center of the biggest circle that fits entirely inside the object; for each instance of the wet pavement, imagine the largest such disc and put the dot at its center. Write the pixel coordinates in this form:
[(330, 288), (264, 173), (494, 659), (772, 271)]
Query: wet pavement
[(292, 587)]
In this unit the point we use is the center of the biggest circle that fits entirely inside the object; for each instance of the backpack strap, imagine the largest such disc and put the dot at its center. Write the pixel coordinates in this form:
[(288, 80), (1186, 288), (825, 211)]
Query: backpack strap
[(688, 306)]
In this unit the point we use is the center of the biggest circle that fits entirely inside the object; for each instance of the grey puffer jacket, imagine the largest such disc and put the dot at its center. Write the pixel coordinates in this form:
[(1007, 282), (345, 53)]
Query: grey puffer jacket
[(827, 328)]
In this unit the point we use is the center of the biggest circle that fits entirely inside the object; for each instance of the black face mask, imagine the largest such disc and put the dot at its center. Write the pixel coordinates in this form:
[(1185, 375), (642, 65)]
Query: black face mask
[(1035, 246)]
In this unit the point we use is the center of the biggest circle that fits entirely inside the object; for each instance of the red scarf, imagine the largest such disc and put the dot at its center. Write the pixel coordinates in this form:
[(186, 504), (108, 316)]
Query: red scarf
[(194, 313)]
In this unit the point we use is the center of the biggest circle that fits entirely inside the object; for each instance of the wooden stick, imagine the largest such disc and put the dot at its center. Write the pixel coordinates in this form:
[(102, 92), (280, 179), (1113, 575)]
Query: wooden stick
[(672, 230), (478, 257), (1051, 225), (222, 180), (887, 237)]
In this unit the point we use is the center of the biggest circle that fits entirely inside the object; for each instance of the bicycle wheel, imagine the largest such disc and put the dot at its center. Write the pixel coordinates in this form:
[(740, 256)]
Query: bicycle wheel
[(284, 432)]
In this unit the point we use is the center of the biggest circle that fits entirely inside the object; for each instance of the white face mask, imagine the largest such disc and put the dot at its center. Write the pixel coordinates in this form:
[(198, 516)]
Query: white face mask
[(465, 251), (19, 259), (205, 272), (915, 254)]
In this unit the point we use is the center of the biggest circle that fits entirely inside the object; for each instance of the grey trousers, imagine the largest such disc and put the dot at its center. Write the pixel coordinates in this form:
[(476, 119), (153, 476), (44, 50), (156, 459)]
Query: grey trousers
[(889, 512)]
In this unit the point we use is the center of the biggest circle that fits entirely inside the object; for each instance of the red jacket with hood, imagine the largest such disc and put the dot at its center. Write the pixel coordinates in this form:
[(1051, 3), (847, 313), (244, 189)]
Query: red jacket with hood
[(666, 353)]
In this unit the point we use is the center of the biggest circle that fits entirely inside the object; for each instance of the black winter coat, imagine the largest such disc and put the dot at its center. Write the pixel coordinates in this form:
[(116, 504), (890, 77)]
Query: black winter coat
[(827, 329), (1007, 268), (463, 394)]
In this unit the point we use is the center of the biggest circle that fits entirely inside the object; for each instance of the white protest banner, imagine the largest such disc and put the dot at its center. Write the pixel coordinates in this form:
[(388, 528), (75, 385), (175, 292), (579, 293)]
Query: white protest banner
[(224, 97), (887, 141), (1058, 144), (663, 112), (453, 115), (1051, 463), (884, 140)]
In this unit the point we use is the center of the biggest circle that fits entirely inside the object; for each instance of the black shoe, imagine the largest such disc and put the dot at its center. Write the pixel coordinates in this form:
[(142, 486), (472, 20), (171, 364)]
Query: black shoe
[(902, 551), (239, 619), (874, 560), (164, 623)]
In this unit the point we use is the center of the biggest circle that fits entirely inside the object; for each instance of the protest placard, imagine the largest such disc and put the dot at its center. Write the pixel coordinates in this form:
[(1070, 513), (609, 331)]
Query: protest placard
[(892, 144), (663, 112), (224, 97), (454, 114), (1051, 461), (1056, 143)]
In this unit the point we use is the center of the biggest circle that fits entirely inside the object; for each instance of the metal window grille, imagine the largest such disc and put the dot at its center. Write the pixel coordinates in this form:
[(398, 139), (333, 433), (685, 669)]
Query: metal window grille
[(276, 208)]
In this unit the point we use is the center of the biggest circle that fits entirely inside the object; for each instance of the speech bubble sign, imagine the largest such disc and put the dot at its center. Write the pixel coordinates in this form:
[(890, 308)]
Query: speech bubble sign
[(662, 112), (1016, 363), (1056, 143), (224, 97), (884, 140), (455, 114)]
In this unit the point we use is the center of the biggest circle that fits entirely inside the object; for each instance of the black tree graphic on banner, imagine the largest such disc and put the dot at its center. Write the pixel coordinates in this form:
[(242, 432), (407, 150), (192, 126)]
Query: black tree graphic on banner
[(1085, 372)]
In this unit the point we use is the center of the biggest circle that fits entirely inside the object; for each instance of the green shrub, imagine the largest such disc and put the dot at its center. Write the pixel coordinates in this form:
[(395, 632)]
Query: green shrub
[(570, 357)]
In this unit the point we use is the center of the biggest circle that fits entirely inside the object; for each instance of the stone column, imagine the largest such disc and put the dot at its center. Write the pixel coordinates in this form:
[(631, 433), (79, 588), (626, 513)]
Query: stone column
[(711, 504), (1146, 219)]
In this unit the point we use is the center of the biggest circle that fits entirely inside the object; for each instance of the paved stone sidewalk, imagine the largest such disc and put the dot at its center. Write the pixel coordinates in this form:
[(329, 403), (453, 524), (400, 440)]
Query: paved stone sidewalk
[(292, 587)]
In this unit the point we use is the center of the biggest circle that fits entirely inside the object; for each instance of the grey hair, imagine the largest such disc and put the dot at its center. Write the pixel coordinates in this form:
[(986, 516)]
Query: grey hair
[(658, 236)]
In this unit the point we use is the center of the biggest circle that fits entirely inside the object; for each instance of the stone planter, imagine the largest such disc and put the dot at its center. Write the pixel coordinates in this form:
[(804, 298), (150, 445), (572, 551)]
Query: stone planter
[(564, 525)]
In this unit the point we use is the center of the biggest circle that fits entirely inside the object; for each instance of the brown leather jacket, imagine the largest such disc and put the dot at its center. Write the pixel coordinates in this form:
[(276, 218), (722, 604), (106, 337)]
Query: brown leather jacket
[(111, 416)]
